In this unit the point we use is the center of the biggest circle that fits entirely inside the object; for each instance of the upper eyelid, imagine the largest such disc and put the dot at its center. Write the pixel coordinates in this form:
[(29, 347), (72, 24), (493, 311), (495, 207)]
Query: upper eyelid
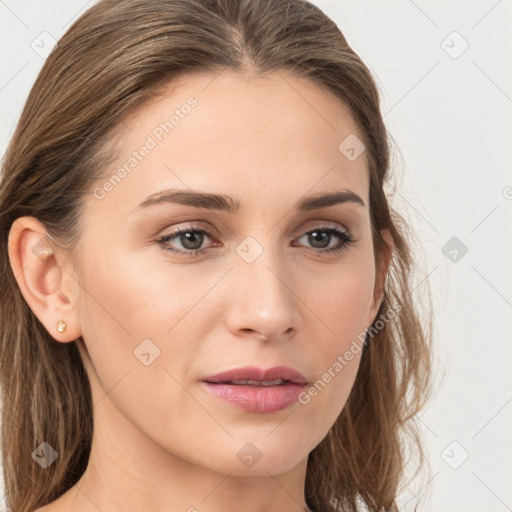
[(314, 225)]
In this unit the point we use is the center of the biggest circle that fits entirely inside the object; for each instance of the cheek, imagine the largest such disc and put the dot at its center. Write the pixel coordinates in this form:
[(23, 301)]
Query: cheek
[(131, 297), (133, 322), (342, 300), (138, 339), (342, 305)]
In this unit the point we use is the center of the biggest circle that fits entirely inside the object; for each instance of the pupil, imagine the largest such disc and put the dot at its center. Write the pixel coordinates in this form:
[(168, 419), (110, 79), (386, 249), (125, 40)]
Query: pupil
[(192, 239), (316, 236)]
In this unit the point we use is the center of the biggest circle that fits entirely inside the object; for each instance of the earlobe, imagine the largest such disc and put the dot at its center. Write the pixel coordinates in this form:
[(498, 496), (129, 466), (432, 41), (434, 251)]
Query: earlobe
[(36, 261)]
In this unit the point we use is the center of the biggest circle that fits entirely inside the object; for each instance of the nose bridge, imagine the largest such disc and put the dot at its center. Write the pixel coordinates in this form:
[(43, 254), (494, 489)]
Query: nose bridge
[(263, 300), (260, 265)]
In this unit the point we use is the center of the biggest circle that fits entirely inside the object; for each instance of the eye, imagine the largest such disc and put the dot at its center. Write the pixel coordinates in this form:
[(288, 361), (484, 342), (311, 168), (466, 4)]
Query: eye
[(321, 237), (192, 238)]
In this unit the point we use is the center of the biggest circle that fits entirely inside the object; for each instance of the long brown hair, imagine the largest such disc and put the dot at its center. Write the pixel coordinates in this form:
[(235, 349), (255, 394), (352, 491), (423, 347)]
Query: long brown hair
[(117, 56)]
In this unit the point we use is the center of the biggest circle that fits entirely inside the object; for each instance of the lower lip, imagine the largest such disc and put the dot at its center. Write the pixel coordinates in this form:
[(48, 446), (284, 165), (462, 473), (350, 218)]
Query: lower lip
[(261, 399)]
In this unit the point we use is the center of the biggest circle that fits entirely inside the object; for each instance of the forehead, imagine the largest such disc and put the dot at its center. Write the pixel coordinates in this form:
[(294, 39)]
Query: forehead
[(249, 136)]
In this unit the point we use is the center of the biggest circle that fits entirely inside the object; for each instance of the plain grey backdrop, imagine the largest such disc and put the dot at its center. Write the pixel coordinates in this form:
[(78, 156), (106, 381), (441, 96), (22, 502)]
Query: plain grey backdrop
[(447, 101)]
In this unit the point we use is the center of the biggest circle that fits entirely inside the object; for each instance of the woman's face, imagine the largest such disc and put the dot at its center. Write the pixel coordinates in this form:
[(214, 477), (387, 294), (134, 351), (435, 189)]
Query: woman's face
[(252, 282)]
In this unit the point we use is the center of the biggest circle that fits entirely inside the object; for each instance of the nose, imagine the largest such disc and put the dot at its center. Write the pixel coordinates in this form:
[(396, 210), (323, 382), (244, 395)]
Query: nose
[(262, 303)]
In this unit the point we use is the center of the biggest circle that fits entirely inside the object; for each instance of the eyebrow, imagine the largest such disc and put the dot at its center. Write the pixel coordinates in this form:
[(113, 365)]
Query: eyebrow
[(222, 202)]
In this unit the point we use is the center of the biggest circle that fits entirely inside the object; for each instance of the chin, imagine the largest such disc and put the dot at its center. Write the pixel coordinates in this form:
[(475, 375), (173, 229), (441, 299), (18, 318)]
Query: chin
[(261, 455)]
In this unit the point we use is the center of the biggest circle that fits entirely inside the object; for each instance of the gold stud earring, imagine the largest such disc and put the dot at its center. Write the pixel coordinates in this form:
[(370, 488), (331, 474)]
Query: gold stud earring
[(61, 326)]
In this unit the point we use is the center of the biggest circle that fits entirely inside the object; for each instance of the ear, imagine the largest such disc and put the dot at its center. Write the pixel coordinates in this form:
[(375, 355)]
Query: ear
[(381, 273), (48, 287)]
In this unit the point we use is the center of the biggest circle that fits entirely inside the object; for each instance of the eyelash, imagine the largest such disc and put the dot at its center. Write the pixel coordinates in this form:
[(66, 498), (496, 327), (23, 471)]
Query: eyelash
[(345, 236)]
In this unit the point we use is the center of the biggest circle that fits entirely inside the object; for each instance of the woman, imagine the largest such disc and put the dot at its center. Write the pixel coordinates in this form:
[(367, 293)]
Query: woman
[(206, 303)]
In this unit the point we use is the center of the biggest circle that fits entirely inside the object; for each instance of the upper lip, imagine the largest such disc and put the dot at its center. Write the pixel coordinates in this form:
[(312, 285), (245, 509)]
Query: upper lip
[(259, 374)]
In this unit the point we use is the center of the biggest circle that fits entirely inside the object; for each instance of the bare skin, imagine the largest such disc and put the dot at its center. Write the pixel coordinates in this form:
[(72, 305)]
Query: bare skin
[(161, 441)]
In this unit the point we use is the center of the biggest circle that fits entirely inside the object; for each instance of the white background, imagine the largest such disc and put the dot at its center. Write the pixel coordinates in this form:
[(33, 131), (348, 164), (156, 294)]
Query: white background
[(450, 116)]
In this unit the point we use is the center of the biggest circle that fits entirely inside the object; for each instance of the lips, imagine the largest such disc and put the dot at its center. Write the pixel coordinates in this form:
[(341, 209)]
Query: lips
[(278, 375), (256, 390)]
